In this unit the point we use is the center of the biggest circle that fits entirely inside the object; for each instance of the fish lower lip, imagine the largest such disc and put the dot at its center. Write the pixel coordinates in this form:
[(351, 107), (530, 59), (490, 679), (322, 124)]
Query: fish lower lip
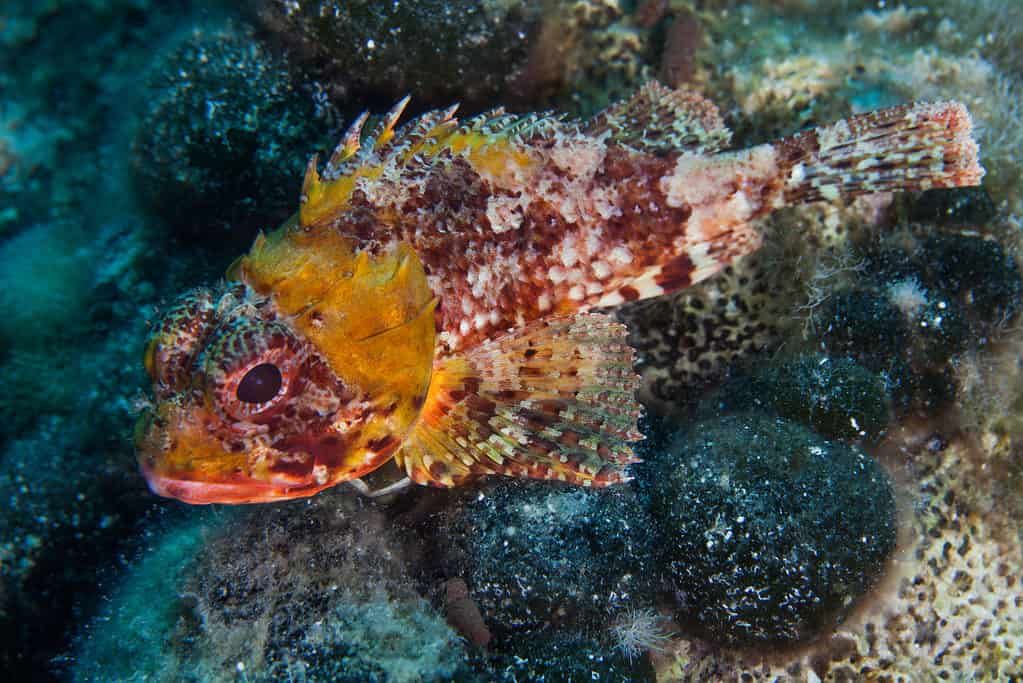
[(204, 493)]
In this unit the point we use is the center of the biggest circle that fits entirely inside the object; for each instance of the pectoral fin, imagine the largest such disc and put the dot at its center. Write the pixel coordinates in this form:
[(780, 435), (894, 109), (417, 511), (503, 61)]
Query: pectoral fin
[(553, 400)]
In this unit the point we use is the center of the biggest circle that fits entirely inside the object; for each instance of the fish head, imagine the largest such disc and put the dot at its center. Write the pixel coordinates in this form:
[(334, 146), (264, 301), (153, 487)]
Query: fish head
[(305, 370)]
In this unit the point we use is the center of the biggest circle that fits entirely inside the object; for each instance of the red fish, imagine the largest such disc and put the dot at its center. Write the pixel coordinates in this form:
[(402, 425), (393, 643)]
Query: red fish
[(436, 299)]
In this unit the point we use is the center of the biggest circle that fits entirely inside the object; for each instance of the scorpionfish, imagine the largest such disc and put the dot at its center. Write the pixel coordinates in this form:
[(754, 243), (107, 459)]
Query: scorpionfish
[(436, 302)]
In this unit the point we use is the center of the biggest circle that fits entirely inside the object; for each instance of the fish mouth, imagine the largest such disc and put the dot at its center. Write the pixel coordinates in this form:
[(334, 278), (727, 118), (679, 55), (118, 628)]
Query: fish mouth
[(179, 460), (197, 492)]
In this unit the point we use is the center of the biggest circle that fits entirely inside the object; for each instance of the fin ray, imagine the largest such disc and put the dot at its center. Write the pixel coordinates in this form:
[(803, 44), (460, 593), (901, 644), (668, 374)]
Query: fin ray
[(349, 145), (553, 400), (659, 119), (916, 146)]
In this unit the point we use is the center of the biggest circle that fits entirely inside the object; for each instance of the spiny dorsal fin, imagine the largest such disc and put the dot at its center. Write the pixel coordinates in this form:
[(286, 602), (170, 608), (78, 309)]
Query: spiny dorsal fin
[(427, 133), (497, 124), (659, 119), (349, 145), (385, 131), (553, 400), (354, 158), (421, 141), (385, 146)]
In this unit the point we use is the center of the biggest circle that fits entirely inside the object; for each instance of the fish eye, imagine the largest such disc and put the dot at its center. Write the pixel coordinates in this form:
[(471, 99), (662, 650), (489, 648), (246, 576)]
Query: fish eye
[(252, 367), (260, 384)]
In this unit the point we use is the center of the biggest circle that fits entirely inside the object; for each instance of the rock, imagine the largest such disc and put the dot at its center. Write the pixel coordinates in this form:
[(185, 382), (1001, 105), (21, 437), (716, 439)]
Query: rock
[(770, 533)]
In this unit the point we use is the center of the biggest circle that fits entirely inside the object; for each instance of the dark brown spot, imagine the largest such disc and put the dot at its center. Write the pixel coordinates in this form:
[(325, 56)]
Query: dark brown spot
[(481, 405), (510, 395), (471, 384), (383, 444), (323, 449), (553, 406), (629, 293), (675, 274), (439, 469), (537, 421), (570, 438), (299, 468)]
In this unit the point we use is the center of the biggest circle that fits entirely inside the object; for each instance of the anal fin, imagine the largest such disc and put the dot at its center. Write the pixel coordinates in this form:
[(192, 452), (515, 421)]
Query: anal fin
[(553, 400)]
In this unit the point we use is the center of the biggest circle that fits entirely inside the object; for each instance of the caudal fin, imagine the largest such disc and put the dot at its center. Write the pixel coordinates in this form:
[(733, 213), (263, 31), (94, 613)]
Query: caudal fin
[(916, 146)]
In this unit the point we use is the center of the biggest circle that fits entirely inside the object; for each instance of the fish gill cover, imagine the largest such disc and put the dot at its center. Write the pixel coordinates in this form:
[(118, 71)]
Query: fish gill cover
[(831, 471)]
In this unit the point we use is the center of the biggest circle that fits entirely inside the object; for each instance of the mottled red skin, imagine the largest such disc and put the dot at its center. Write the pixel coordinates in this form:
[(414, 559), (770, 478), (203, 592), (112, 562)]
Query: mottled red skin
[(455, 196)]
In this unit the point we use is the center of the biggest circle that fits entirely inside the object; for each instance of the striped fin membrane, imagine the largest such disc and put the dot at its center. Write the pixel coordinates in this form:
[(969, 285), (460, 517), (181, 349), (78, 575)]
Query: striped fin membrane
[(553, 400)]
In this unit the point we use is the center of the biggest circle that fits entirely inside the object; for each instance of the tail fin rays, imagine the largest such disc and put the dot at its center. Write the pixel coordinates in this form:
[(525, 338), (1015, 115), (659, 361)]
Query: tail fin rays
[(916, 146)]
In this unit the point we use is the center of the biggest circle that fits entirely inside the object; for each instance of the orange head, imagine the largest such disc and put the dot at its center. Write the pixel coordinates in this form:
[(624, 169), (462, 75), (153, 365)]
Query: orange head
[(308, 369)]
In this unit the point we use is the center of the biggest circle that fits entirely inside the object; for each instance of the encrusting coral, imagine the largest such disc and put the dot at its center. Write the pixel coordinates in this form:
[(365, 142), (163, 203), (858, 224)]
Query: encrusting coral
[(769, 534), (220, 147), (314, 592), (949, 608)]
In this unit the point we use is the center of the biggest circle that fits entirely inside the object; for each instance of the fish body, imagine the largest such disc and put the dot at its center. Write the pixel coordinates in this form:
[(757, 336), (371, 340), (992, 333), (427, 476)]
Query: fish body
[(436, 299)]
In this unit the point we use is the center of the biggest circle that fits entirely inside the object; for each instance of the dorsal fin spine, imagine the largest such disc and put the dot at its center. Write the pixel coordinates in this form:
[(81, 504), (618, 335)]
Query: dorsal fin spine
[(385, 133), (350, 143)]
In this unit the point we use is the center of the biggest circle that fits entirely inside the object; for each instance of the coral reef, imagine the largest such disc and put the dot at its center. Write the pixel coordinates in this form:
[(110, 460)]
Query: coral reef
[(563, 658), (770, 534), (864, 323), (586, 55), (46, 293), (948, 609), (315, 592), (687, 341), (836, 397), (68, 484), (441, 50), (691, 340), (508, 539), (976, 273), (118, 646), (575, 55)]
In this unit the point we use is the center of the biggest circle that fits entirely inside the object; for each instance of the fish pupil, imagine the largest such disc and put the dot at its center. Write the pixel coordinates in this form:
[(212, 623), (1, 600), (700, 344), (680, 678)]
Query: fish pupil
[(260, 384)]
